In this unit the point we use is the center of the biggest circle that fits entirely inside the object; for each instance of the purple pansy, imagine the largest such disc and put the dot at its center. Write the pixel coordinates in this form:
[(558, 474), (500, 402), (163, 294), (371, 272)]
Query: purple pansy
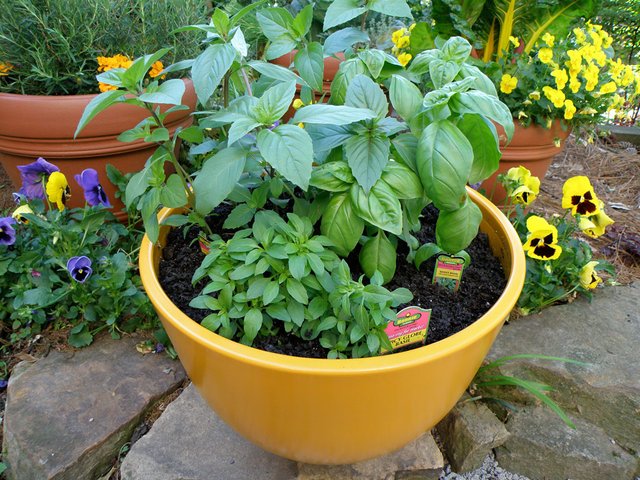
[(7, 233), (93, 192), (34, 176), (79, 268)]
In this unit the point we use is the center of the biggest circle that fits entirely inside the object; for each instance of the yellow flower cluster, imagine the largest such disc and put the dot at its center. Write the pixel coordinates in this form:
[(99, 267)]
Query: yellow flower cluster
[(508, 83), (401, 39), (122, 61), (5, 68)]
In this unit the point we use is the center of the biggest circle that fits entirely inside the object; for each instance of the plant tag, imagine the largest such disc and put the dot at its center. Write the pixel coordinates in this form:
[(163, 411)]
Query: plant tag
[(205, 245), (409, 327), (448, 271)]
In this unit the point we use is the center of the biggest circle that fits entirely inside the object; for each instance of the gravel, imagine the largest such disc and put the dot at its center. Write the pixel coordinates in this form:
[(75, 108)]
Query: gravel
[(490, 470)]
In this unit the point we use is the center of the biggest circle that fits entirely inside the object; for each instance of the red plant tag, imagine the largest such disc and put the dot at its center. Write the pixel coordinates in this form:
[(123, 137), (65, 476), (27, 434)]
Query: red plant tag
[(409, 327), (448, 271)]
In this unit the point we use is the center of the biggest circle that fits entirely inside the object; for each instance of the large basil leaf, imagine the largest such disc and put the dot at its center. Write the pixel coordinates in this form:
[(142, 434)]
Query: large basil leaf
[(332, 114), (347, 71), (405, 97), (374, 60), (276, 72), (486, 154), (480, 80), (326, 137), (393, 8), (309, 61), (365, 93), (302, 23), (209, 68), (341, 11), (275, 22), (289, 150), (275, 102), (217, 178), (169, 93), (343, 39), (378, 255), (406, 146), (367, 155), (456, 49), (404, 183), (341, 224), (444, 160), (380, 207), (475, 101), (456, 229), (443, 72), (240, 128), (332, 177), (97, 105)]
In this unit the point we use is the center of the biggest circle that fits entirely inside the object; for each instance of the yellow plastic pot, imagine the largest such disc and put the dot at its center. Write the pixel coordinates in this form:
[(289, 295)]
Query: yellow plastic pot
[(336, 411)]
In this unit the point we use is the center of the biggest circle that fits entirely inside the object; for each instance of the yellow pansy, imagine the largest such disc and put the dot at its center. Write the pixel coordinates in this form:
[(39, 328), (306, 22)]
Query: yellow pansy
[(590, 74), (579, 196), (616, 68), (569, 109), (575, 62), (555, 96), (535, 95), (508, 83), (609, 87), (404, 58), (595, 225), (607, 39), (522, 114), (515, 41), (600, 57), (397, 35), (574, 84), (20, 211), (596, 40), (580, 36), (523, 187), (156, 68), (301, 125), (545, 55), (403, 42), (542, 241), (518, 174), (561, 77), (58, 189), (588, 277), (548, 39), (627, 76), (297, 103)]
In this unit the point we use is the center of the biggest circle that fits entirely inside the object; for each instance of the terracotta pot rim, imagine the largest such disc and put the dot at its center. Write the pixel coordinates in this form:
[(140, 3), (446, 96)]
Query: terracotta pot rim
[(493, 318)]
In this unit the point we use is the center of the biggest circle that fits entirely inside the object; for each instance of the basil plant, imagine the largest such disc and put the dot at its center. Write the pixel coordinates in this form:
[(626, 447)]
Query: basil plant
[(359, 168)]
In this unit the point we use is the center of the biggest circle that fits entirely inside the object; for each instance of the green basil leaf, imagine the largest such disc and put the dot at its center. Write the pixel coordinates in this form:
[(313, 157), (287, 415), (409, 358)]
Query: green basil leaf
[(327, 137), (173, 194), (275, 71), (275, 102), (332, 177), (97, 105), (404, 183), (252, 325), (393, 8), (480, 80), (343, 39), (297, 291), (302, 23), (486, 152), (425, 252), (365, 93), (347, 71), (240, 216), (456, 49), (475, 101), (341, 11), (275, 22), (217, 178), (455, 230), (442, 72), (341, 224), (406, 146), (169, 93), (374, 60), (309, 62), (240, 128), (380, 207), (289, 150), (378, 255), (367, 156), (444, 160), (209, 68), (405, 96), (332, 114)]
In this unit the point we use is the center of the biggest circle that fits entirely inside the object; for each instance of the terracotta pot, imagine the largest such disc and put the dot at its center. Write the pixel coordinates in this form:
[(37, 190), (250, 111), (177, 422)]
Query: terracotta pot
[(336, 411), (331, 66), (43, 126), (532, 147)]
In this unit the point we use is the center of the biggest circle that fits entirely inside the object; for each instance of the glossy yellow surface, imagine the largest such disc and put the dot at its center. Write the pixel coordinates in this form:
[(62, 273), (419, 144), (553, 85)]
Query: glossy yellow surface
[(337, 411)]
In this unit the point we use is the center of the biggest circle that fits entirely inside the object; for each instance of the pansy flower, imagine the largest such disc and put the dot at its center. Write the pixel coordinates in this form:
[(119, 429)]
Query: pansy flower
[(18, 214), (58, 189), (588, 277), (523, 187), (404, 58), (595, 225), (93, 192), (79, 268), (7, 233), (34, 177), (578, 195), (508, 83), (542, 242)]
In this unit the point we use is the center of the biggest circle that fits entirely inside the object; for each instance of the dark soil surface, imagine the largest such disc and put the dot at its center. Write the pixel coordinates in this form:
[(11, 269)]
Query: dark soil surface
[(483, 282)]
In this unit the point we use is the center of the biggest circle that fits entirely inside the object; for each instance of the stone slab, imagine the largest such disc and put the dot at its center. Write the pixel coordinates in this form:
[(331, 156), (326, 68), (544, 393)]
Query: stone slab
[(468, 433), (421, 459), (605, 334), (542, 447), (190, 442), (68, 414)]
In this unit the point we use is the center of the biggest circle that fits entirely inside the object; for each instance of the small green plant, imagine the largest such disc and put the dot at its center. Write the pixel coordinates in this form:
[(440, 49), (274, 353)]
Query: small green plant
[(489, 376), (51, 47), (279, 275), (559, 263), (70, 268)]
